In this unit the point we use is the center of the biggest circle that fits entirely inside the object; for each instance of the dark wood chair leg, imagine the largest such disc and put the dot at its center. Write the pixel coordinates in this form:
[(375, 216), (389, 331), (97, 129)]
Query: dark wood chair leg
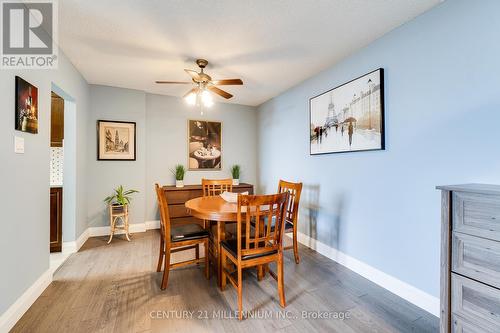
[(162, 253), (259, 272), (166, 271), (223, 276), (207, 260), (240, 293), (220, 237), (295, 245), (281, 280)]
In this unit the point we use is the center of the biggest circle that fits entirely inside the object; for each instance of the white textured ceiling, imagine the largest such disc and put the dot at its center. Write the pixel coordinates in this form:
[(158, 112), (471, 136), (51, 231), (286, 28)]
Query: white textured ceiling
[(270, 44)]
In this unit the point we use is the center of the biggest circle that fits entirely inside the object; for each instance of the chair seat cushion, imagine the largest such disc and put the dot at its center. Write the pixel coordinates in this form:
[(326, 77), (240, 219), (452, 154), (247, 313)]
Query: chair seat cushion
[(231, 245), (187, 232)]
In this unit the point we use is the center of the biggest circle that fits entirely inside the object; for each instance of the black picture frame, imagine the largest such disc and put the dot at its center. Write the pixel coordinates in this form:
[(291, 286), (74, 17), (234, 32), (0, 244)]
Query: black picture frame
[(382, 115), (133, 150)]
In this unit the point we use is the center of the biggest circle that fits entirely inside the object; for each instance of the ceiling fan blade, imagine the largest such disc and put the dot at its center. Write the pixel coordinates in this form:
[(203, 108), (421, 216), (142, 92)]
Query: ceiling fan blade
[(194, 90), (228, 82), (193, 74), (173, 82), (220, 92)]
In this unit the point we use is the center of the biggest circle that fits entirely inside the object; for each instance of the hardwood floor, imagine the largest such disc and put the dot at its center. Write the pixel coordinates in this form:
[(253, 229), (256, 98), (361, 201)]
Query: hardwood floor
[(115, 288)]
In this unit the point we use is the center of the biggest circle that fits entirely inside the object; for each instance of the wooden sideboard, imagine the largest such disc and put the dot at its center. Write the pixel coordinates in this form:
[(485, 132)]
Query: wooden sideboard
[(177, 197), (470, 258)]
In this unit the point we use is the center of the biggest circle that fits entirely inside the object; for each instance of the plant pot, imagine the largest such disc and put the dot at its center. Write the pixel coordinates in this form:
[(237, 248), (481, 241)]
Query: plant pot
[(236, 182), (118, 209), (179, 183)]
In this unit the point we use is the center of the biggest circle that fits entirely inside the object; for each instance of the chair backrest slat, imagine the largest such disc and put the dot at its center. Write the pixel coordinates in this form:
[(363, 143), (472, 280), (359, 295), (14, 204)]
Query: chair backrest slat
[(212, 187), (295, 190), (164, 214), (267, 213), (247, 230), (270, 218)]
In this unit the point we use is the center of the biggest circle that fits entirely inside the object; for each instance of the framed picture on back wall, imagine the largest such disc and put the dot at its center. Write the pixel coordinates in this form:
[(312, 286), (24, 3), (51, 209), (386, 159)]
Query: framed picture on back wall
[(204, 145), (116, 140), (349, 117)]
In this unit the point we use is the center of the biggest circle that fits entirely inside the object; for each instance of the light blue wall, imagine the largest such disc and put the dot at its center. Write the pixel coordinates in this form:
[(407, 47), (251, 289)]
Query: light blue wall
[(166, 127), (161, 144), (24, 200), (110, 103), (442, 76)]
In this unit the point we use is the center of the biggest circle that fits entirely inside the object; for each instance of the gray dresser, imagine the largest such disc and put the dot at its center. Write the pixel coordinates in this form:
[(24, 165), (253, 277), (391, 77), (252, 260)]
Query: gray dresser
[(470, 258)]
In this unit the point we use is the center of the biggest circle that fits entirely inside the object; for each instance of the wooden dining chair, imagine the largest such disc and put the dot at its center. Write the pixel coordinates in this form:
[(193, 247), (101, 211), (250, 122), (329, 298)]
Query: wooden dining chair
[(178, 238), (256, 246), (212, 187), (292, 213)]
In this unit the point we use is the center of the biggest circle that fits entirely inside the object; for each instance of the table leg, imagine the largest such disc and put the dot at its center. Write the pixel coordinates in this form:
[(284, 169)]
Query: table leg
[(221, 235)]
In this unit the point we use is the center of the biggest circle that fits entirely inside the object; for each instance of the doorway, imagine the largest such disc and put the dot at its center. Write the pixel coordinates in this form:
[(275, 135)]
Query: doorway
[(56, 171), (63, 143)]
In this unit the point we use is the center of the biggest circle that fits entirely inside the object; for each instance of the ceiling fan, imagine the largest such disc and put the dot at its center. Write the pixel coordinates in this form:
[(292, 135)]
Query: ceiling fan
[(203, 84)]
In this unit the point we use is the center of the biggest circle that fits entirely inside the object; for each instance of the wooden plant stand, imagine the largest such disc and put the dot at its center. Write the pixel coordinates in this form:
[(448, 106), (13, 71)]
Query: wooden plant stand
[(117, 213)]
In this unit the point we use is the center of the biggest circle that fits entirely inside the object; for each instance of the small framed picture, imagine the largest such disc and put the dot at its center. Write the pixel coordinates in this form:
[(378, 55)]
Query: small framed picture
[(26, 106), (116, 140)]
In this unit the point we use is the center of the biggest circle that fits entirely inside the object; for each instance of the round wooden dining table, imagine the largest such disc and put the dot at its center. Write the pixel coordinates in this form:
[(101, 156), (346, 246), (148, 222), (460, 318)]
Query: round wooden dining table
[(214, 208)]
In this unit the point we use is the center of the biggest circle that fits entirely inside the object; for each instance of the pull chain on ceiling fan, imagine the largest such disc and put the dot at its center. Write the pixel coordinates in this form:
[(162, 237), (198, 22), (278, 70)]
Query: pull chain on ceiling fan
[(204, 86)]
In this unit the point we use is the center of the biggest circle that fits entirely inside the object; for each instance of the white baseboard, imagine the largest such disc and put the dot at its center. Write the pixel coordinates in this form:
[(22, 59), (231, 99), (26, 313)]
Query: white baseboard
[(74, 246), (413, 295), (152, 224), (82, 239), (133, 228), (10, 317)]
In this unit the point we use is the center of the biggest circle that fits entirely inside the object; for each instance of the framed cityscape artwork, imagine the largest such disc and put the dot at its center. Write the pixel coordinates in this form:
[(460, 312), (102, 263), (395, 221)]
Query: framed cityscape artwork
[(26, 106), (349, 117), (116, 140), (204, 145)]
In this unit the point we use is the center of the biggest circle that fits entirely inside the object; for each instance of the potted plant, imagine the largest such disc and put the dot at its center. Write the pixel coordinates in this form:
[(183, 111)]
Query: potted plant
[(120, 198), (235, 171), (179, 171)]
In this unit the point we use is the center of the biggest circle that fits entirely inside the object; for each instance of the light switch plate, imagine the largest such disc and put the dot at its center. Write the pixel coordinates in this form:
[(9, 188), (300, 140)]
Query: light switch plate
[(18, 145)]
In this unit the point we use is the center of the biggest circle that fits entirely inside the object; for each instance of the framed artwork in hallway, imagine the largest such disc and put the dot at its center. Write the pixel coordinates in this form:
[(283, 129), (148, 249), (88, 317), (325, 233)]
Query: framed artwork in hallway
[(204, 145), (349, 117), (26, 106), (116, 140)]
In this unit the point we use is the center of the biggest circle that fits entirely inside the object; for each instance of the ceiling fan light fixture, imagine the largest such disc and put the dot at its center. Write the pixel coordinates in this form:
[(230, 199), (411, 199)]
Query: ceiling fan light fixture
[(207, 98), (191, 98), (204, 87)]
